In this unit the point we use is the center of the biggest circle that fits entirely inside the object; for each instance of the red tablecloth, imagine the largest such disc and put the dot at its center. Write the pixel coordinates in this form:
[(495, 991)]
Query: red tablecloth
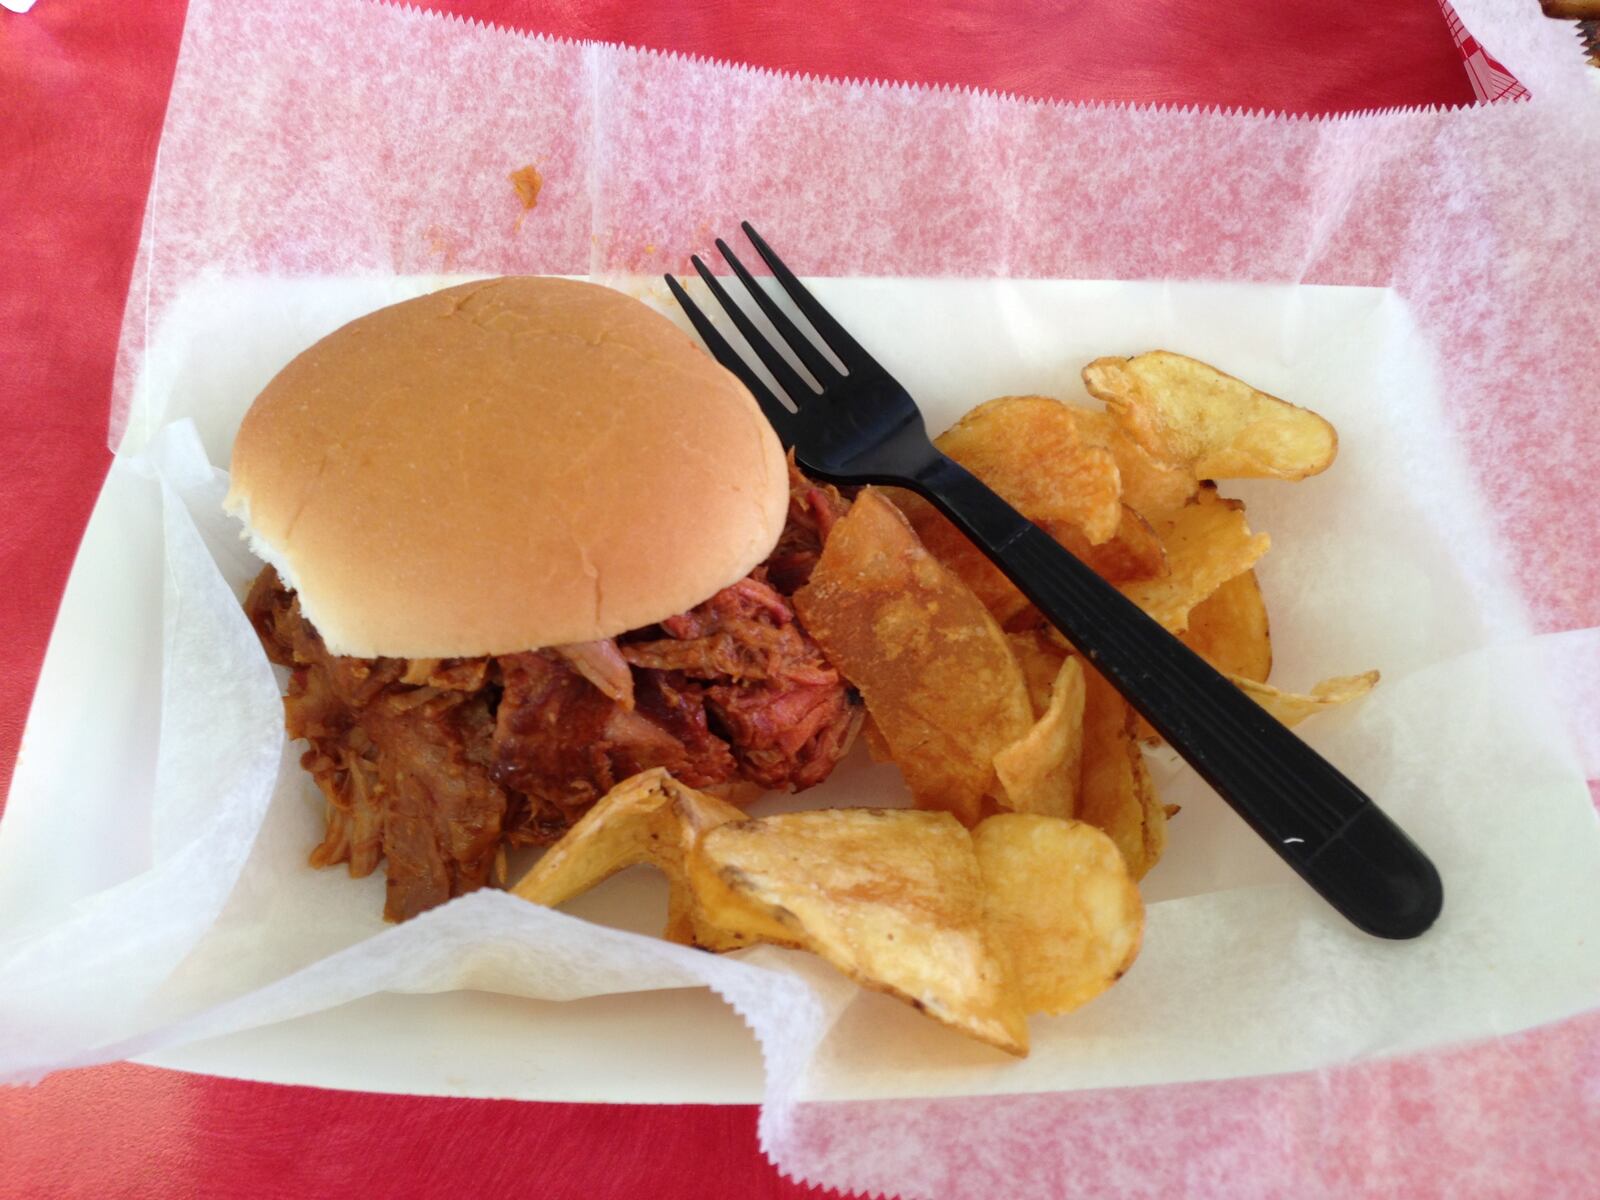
[(85, 87)]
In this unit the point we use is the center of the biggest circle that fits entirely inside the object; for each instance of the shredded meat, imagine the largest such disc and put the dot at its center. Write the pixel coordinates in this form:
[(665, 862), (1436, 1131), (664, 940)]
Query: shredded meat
[(813, 509), (434, 766), (562, 744), (405, 767), (782, 708)]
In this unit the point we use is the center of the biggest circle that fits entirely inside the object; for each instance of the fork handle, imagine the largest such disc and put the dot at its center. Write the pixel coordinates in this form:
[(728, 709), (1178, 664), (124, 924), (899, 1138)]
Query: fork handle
[(1320, 823)]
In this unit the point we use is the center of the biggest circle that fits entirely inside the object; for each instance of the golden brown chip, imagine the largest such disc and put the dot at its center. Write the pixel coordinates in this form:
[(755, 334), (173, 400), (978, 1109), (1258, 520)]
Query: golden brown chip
[(1229, 629), (1208, 542), (892, 898), (1040, 654), (953, 548), (689, 925), (1060, 908), (1115, 791), (1291, 708), (648, 818), (1030, 451), (1131, 554), (636, 821), (934, 668), (1149, 485), (730, 915), (1039, 771), (1185, 412)]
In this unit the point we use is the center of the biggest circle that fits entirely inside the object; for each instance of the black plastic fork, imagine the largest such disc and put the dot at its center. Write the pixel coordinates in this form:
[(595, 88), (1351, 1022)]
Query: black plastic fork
[(859, 426)]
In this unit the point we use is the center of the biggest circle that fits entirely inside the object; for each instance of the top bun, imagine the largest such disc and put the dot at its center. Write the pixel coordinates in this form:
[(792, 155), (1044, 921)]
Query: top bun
[(502, 466)]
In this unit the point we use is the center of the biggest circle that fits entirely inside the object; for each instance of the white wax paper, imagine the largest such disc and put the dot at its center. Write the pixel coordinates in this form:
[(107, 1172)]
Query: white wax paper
[(291, 154)]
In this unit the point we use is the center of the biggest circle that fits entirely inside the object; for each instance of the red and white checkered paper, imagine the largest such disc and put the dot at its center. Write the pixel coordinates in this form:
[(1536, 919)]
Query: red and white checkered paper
[(300, 142), (1491, 82)]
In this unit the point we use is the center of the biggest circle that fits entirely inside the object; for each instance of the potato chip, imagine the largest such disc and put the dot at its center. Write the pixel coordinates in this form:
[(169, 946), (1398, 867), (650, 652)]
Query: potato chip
[(1039, 771), (956, 551), (1060, 909), (648, 818), (1030, 451), (1291, 709), (1149, 484), (1115, 791), (1229, 629), (934, 668), (688, 925), (720, 919), (640, 820), (1133, 553), (1208, 542), (1187, 413), (1040, 654), (892, 898)]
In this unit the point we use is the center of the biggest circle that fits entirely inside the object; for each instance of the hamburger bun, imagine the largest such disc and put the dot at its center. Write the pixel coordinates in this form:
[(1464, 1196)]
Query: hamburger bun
[(502, 466)]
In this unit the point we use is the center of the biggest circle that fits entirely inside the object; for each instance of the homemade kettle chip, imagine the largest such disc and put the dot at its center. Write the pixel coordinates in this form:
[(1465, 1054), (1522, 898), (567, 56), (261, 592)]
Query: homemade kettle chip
[(649, 818), (892, 898), (943, 688), (1208, 542), (1030, 450), (1060, 908), (1291, 708), (1183, 411), (1039, 771), (1115, 792), (1229, 629)]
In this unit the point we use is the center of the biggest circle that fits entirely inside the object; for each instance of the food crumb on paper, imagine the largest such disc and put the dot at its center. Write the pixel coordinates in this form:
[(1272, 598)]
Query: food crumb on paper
[(527, 181)]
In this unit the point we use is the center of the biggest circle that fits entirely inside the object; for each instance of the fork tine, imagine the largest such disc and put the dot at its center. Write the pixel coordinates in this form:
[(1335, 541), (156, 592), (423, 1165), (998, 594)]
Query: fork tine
[(779, 417), (788, 378), (841, 343), (815, 361)]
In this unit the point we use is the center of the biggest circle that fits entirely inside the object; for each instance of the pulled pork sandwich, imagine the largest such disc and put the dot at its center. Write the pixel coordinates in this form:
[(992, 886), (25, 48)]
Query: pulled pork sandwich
[(526, 540)]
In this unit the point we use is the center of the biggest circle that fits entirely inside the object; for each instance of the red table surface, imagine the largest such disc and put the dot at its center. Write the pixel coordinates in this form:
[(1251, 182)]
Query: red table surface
[(85, 87)]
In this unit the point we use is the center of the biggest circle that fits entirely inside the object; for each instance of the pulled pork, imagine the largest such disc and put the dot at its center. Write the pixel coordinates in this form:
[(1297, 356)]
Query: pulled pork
[(783, 708), (434, 766)]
